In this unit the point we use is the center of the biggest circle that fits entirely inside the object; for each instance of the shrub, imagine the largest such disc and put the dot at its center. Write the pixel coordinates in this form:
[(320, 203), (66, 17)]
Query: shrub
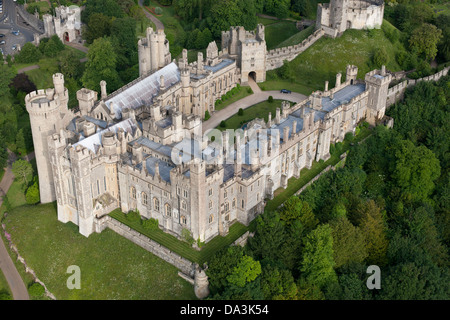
[(207, 115), (249, 90), (28, 54), (241, 112), (380, 57), (134, 217), (187, 236), (158, 10), (32, 196), (151, 224), (223, 124), (270, 100), (349, 137), (4, 295), (36, 290)]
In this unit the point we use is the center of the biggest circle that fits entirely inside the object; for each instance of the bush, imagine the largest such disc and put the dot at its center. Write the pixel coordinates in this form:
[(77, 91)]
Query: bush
[(151, 224), (349, 137), (380, 57), (134, 217), (241, 112), (32, 196), (223, 124), (187, 236), (249, 90), (158, 10), (28, 54), (270, 100), (36, 290), (4, 295), (207, 115)]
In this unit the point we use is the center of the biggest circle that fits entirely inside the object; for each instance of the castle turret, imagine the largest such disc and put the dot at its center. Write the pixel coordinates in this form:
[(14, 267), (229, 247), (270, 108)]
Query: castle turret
[(199, 218), (377, 83), (153, 52), (86, 100), (46, 109)]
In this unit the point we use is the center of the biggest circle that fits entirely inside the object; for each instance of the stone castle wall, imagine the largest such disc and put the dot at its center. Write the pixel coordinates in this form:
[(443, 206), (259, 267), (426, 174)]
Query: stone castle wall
[(184, 265), (397, 92), (276, 57)]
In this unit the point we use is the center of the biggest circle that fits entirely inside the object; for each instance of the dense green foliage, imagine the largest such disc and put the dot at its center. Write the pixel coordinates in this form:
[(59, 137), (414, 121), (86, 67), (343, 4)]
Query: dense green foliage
[(388, 206)]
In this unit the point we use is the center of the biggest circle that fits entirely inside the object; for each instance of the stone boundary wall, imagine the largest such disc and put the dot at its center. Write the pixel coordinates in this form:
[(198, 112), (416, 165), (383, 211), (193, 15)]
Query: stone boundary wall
[(276, 57), (185, 266), (397, 92), (13, 248), (31, 19)]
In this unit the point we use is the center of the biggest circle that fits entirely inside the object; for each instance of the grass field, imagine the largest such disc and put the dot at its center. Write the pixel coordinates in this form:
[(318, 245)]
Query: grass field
[(244, 92), (297, 37), (260, 110), (4, 287), (278, 32), (111, 266), (180, 247), (327, 57)]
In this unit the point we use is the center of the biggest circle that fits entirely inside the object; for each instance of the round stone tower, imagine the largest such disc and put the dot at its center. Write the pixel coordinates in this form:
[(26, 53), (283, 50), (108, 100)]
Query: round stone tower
[(46, 108)]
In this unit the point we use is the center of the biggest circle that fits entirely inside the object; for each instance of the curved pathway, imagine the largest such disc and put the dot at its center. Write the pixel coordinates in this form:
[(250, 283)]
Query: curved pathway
[(257, 97), (15, 282), (159, 25)]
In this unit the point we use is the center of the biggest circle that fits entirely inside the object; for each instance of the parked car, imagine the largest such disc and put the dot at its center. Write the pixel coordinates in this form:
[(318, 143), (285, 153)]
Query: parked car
[(2, 41), (2, 35), (14, 47), (16, 33), (285, 91)]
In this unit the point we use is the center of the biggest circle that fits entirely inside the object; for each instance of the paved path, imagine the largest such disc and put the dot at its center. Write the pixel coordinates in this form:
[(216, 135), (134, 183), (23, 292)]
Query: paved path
[(257, 97), (15, 282), (159, 25)]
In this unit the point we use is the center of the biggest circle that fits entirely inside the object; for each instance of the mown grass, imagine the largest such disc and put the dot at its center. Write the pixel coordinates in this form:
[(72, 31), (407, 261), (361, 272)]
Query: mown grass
[(278, 32), (297, 38), (112, 267), (327, 57), (4, 287), (243, 92), (260, 110), (183, 248)]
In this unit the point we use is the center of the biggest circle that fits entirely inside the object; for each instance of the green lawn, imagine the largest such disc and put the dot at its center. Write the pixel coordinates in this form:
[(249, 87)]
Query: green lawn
[(327, 57), (180, 247), (278, 32), (244, 92), (297, 38), (259, 110), (112, 267)]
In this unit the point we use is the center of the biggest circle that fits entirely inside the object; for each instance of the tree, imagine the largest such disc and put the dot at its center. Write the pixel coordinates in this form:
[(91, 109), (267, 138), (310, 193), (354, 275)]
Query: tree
[(424, 40), (99, 26), (348, 243), (20, 142), (246, 270), (28, 54), (123, 31), (22, 169), (295, 209), (69, 64), (416, 169), (278, 284), (371, 223), (21, 82), (3, 153), (380, 57), (221, 265), (101, 65), (317, 264), (32, 195)]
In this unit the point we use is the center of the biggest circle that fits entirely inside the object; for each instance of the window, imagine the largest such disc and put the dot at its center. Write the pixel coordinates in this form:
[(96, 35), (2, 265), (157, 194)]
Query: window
[(168, 210), (227, 206), (211, 219), (183, 219), (234, 203), (156, 204), (184, 205), (225, 194), (257, 197), (210, 193), (242, 204), (144, 198), (240, 189), (133, 192), (210, 204), (185, 193)]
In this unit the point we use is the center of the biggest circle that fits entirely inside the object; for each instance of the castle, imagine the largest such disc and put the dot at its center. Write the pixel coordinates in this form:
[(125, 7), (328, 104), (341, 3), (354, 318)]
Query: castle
[(66, 23), (142, 147), (339, 15)]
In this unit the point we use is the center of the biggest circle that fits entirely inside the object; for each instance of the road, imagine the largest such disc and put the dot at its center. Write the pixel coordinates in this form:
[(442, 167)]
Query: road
[(15, 282), (257, 97), (8, 22), (158, 24)]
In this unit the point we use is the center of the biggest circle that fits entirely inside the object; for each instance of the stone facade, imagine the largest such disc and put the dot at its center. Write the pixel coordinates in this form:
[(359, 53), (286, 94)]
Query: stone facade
[(66, 24), (340, 15)]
